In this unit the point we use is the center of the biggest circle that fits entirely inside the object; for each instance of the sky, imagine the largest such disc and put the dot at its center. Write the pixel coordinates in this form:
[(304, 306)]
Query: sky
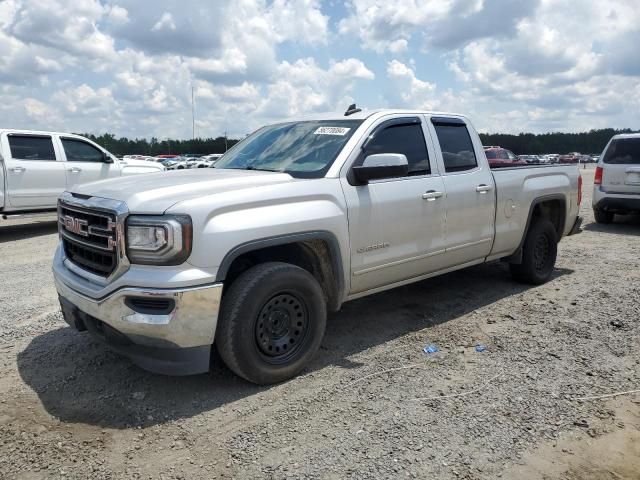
[(129, 67)]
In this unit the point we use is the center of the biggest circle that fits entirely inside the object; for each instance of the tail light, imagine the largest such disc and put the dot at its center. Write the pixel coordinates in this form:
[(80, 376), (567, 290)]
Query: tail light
[(597, 179), (579, 189)]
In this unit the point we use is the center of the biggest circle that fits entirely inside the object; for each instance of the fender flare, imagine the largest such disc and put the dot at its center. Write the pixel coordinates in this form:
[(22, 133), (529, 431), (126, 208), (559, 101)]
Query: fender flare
[(328, 237), (516, 257)]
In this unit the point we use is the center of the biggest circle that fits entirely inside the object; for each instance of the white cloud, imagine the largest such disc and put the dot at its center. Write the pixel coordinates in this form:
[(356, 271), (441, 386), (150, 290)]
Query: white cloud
[(382, 25), (128, 66), (64, 25), (118, 15), (165, 23)]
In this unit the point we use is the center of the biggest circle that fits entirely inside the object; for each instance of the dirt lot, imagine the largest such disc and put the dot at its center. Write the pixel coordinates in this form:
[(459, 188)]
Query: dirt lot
[(372, 404)]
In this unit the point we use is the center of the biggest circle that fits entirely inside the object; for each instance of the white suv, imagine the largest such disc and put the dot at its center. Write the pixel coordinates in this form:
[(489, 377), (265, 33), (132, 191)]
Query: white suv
[(616, 186)]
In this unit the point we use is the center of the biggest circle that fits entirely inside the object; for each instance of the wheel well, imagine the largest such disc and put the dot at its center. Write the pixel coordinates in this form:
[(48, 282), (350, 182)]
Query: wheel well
[(313, 255), (553, 210)]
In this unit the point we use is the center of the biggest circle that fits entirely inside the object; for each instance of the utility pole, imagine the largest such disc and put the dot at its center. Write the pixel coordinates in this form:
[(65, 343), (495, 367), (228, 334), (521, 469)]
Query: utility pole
[(193, 116)]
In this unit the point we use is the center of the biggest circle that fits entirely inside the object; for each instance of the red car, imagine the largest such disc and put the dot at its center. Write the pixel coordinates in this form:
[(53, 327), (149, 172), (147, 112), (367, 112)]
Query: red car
[(569, 158), (501, 157)]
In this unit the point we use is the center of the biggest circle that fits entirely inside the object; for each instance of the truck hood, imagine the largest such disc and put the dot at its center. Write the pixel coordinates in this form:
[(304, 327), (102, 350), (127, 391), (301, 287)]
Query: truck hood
[(155, 193)]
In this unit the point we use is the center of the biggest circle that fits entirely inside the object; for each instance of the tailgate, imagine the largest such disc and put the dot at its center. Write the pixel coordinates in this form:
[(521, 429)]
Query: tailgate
[(621, 166)]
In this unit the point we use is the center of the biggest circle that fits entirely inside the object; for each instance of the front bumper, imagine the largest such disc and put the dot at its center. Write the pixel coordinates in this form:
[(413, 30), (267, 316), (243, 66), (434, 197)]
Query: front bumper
[(176, 341)]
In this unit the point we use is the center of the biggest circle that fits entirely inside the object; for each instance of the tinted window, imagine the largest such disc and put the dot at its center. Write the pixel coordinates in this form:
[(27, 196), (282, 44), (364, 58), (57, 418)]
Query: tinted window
[(404, 139), (28, 147), (457, 149), (623, 151), (301, 149), (79, 151), (491, 154)]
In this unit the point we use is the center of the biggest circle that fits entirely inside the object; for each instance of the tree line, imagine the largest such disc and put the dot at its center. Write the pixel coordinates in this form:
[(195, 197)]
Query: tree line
[(593, 141), (142, 146)]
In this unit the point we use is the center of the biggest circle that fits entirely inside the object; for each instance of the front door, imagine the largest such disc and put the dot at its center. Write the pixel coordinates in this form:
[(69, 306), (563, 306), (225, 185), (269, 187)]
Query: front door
[(85, 163), (34, 176), (396, 225)]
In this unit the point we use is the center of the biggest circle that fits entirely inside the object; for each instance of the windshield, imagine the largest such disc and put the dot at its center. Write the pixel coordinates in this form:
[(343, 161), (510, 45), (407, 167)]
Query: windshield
[(301, 149), (623, 151)]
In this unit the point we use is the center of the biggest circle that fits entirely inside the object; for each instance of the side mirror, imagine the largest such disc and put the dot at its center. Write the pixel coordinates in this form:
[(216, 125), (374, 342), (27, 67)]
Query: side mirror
[(106, 158), (381, 165)]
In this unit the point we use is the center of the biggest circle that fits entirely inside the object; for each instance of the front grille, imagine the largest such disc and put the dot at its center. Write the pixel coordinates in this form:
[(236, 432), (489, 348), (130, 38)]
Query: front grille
[(89, 238)]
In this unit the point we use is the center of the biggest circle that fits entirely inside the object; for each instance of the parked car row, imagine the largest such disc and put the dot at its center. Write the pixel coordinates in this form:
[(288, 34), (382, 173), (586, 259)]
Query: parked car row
[(180, 162), (501, 157)]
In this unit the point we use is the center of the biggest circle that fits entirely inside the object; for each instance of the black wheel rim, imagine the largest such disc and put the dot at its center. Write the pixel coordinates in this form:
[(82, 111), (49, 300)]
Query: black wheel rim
[(541, 253), (281, 328)]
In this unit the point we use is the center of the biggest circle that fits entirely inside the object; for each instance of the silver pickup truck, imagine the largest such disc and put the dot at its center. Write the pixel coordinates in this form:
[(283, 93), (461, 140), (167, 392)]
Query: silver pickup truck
[(36, 167), (295, 220)]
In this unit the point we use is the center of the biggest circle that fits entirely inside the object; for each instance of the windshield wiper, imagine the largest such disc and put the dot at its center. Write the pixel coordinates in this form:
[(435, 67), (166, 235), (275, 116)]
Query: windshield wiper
[(251, 167)]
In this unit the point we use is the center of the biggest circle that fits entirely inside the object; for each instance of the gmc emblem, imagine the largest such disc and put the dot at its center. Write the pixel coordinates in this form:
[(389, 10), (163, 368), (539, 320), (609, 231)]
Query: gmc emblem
[(75, 225)]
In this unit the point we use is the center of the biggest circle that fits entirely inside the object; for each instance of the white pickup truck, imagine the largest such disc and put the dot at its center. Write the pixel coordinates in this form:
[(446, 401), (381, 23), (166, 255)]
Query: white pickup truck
[(36, 167), (296, 219)]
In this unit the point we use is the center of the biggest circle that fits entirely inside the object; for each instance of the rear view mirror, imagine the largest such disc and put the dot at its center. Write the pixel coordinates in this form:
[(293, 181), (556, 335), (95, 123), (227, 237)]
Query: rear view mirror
[(106, 158), (381, 165)]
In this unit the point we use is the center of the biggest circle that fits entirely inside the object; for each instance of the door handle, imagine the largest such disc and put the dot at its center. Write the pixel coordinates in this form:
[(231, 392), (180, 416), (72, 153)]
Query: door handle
[(17, 169), (74, 170), (482, 188), (431, 195)]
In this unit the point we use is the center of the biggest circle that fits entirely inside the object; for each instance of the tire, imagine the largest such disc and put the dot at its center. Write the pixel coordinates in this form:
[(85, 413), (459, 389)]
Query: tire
[(602, 217), (272, 321), (538, 254)]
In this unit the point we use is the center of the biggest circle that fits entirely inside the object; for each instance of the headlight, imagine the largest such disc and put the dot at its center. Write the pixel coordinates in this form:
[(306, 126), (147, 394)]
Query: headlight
[(159, 240)]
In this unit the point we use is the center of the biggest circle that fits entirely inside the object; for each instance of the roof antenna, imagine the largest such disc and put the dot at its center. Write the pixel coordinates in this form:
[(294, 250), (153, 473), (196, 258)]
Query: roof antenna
[(351, 110)]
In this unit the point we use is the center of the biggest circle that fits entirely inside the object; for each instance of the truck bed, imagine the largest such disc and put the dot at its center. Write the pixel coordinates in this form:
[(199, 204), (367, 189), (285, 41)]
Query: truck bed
[(518, 188)]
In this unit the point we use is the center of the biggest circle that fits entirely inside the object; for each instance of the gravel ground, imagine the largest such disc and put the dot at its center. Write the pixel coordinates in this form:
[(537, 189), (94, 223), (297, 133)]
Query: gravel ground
[(371, 405)]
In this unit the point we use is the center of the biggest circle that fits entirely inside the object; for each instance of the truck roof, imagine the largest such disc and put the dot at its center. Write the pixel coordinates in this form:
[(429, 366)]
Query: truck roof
[(364, 114), (36, 132), (627, 135)]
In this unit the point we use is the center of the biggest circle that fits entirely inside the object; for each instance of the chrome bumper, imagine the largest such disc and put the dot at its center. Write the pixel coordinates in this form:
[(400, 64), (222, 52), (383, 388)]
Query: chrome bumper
[(191, 323), (176, 342)]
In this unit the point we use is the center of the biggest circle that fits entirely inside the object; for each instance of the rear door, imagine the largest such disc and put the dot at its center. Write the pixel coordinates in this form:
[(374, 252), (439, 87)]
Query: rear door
[(34, 175), (85, 162), (396, 225), (621, 166), (470, 207)]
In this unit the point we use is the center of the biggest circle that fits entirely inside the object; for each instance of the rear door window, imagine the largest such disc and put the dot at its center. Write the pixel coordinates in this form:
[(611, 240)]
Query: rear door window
[(79, 151), (31, 147), (623, 151), (456, 146)]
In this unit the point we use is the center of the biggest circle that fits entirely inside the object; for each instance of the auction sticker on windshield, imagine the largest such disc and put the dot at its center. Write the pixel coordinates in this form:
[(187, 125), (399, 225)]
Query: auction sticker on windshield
[(331, 131)]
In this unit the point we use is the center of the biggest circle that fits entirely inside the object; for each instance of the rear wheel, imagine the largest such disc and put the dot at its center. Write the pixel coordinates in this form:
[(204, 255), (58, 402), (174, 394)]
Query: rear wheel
[(602, 216), (538, 254), (272, 322)]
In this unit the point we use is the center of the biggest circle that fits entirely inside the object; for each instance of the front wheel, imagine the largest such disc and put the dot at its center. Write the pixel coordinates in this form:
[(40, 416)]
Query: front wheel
[(538, 254), (271, 324)]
